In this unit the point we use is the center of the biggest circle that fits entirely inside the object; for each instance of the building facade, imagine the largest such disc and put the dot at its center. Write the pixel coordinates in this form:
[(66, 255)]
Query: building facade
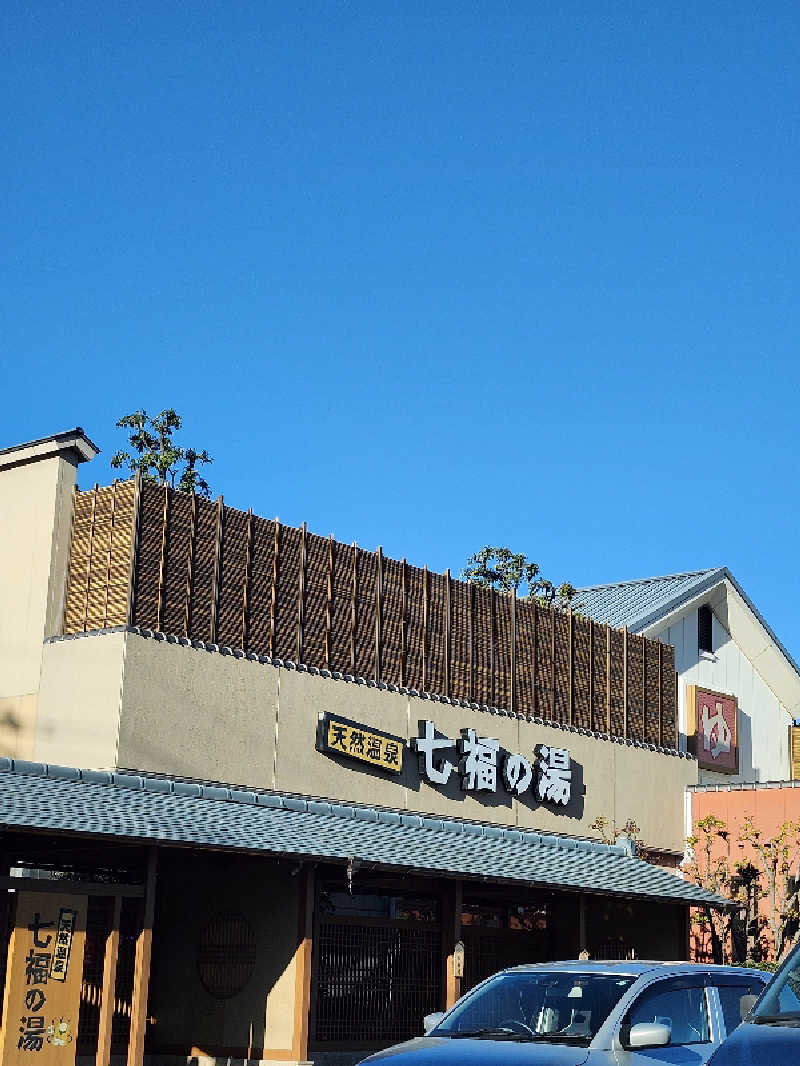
[(304, 794)]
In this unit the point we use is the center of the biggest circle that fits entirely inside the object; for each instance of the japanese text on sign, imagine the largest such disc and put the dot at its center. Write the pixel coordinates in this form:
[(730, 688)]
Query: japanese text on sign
[(339, 736), (548, 773)]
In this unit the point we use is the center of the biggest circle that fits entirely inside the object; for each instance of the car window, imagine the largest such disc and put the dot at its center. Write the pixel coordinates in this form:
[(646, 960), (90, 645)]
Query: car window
[(730, 994), (675, 1003)]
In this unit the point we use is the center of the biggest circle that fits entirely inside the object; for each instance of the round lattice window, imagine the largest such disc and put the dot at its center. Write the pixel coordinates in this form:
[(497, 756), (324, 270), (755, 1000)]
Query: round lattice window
[(227, 955)]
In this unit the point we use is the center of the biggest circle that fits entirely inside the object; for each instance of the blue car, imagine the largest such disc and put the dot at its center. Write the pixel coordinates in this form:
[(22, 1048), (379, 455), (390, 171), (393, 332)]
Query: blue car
[(770, 1033), (597, 1013)]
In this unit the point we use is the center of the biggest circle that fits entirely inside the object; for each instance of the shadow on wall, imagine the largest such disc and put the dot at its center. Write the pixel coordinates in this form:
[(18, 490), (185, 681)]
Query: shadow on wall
[(225, 932)]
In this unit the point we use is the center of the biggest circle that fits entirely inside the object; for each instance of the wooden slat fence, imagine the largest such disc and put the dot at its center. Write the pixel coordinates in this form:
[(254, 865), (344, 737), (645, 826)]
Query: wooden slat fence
[(161, 559)]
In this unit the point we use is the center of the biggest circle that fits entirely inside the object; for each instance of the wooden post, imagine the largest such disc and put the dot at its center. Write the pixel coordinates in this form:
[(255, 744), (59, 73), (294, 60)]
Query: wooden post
[(217, 566), (453, 935), (591, 674), (246, 582), (109, 988), (404, 627), (552, 664), (141, 967), (301, 595), (425, 629), (625, 681), (513, 649), (571, 668), (378, 611), (353, 608), (535, 665), (302, 986), (132, 573), (645, 735), (608, 678), (273, 606), (660, 694), (471, 641), (163, 558), (447, 630), (89, 561), (329, 604), (187, 610), (110, 553)]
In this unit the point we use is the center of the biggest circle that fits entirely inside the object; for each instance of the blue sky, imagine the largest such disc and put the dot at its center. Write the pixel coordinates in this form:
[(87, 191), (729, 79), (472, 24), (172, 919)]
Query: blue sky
[(424, 275)]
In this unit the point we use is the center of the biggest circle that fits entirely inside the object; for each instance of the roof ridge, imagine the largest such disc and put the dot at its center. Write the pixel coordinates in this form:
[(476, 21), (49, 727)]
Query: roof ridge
[(649, 580)]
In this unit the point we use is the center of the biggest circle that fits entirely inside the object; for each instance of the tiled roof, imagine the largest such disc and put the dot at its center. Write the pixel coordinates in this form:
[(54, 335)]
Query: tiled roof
[(636, 604), (169, 811)]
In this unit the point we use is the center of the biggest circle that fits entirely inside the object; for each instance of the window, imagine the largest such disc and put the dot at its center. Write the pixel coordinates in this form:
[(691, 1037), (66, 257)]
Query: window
[(730, 995), (679, 1004), (704, 634)]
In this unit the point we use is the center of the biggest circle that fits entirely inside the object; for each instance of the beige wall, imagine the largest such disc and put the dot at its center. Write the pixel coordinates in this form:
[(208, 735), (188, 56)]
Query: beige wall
[(79, 701), (202, 714), (35, 515), (192, 890)]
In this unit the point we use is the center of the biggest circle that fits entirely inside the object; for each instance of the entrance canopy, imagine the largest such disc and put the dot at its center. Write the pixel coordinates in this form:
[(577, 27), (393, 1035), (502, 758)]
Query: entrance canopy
[(133, 807)]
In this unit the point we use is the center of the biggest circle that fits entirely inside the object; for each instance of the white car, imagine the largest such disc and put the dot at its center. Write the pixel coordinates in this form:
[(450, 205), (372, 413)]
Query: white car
[(597, 1013)]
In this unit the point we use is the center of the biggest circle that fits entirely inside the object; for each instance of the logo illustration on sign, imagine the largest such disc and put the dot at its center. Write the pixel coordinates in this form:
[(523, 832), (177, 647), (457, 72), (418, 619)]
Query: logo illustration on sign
[(712, 729)]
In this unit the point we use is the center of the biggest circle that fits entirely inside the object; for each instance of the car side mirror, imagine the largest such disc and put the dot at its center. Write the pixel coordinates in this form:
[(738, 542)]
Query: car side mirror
[(648, 1034), (746, 1005), (431, 1020)]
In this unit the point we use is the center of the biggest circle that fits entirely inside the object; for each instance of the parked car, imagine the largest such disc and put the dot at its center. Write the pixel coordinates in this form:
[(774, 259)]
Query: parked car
[(599, 1013), (770, 1033)]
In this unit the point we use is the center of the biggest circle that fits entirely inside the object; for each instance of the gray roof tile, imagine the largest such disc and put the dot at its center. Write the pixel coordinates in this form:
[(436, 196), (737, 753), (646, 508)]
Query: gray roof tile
[(160, 809)]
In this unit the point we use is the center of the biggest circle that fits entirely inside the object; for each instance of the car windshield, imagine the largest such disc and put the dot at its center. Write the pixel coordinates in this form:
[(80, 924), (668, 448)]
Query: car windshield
[(536, 1005), (780, 1003)]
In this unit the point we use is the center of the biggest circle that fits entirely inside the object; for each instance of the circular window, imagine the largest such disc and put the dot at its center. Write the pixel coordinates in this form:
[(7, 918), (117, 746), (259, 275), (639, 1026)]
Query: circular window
[(227, 955)]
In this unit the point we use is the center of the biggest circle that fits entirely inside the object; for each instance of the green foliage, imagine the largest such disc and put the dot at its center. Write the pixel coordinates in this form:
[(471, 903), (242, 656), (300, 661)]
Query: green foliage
[(157, 456), (506, 571)]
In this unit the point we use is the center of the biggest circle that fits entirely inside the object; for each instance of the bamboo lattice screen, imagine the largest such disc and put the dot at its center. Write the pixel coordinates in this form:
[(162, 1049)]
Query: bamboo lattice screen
[(176, 563)]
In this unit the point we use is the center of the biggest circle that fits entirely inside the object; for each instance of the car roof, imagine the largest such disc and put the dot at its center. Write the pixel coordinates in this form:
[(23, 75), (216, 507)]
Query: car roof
[(631, 967)]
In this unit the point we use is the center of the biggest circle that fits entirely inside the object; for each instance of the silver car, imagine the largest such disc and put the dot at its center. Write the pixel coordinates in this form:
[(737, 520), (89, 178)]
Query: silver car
[(598, 1013)]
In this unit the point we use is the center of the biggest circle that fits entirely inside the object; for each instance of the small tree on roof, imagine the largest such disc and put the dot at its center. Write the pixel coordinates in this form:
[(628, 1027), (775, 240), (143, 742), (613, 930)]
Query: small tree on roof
[(507, 571), (157, 456)]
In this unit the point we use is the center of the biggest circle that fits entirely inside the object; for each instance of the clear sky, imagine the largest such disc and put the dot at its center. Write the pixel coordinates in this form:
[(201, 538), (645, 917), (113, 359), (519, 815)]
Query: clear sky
[(427, 275)]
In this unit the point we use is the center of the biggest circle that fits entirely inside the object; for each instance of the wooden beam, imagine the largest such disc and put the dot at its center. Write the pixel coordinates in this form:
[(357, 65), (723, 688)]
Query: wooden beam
[(591, 674), (217, 567), (471, 641), (82, 888), (660, 694), (141, 967), (103, 1056), (552, 664), (302, 985)]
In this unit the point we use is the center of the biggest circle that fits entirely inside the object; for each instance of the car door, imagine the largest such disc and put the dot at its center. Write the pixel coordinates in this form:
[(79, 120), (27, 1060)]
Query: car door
[(681, 1003), (730, 989)]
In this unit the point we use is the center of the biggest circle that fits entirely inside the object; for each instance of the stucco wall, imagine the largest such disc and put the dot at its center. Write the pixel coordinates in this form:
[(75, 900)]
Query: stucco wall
[(192, 890), (763, 723), (35, 510), (202, 714)]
